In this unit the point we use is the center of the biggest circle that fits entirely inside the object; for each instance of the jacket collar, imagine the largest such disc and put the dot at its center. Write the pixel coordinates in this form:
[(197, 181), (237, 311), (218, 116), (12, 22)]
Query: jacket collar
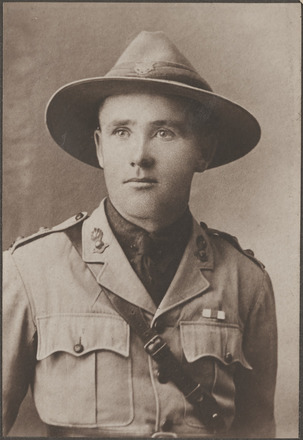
[(116, 273), (189, 280), (99, 245)]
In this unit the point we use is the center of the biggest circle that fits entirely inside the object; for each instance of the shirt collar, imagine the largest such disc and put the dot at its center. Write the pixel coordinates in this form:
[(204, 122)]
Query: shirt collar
[(168, 240)]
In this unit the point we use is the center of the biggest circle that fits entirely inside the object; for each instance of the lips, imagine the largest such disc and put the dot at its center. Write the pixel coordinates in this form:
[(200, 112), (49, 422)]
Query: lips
[(142, 180)]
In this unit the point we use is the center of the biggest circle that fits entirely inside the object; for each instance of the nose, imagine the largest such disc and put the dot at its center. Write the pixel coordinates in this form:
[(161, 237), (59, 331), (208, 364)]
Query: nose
[(142, 155)]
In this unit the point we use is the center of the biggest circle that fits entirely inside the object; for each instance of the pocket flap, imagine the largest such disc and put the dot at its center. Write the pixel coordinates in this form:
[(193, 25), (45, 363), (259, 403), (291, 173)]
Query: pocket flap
[(79, 334), (221, 341)]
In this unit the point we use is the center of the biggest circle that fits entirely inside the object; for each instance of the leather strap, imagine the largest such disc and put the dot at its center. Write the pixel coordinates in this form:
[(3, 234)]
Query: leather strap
[(205, 405)]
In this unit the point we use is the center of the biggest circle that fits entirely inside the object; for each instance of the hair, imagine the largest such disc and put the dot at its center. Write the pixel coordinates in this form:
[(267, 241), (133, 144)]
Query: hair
[(204, 124), (200, 117)]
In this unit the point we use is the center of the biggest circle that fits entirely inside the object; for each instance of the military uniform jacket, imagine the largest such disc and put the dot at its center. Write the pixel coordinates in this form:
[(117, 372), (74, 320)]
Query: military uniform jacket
[(90, 374)]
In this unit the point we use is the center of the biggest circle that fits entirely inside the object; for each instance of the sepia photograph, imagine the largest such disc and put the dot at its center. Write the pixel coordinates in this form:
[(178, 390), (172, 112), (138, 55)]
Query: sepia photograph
[(151, 158)]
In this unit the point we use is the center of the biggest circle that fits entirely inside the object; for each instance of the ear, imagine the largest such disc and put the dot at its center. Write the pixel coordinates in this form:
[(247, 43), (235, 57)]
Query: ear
[(201, 164), (99, 150), (206, 152)]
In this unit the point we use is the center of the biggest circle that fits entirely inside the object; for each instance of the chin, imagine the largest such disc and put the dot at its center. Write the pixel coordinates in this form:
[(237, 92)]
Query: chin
[(155, 211), (142, 205), (142, 208)]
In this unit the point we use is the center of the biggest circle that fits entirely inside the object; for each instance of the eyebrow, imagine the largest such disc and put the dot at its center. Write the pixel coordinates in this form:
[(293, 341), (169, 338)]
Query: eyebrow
[(181, 126), (118, 122)]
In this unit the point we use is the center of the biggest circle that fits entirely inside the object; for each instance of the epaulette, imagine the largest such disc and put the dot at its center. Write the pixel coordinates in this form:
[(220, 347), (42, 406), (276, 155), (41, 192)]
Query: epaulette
[(234, 242), (20, 241)]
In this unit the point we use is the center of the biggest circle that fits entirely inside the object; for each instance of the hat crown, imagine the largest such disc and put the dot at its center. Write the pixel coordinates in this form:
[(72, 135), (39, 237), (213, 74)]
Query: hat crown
[(153, 47), (152, 55)]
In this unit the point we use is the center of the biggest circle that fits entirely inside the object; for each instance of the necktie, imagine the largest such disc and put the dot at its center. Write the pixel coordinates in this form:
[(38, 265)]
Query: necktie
[(144, 258)]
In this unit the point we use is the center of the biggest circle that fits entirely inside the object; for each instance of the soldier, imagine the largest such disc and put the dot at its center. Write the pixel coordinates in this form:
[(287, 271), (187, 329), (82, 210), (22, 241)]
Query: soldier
[(138, 321)]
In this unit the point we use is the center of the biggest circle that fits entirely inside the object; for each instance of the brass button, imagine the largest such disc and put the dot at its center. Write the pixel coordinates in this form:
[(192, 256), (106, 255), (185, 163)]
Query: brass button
[(228, 357), (162, 377), (79, 216), (78, 348), (167, 425)]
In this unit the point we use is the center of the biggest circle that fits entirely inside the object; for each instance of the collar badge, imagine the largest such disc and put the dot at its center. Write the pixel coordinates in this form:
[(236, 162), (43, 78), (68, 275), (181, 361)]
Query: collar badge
[(201, 249), (97, 236), (143, 68)]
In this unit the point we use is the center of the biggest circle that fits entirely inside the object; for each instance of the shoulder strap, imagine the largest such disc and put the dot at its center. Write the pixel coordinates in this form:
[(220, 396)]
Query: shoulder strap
[(43, 231), (234, 242), (157, 348)]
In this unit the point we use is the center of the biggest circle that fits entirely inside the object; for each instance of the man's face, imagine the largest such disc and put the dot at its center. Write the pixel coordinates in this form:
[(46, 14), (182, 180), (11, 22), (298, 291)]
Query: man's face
[(149, 155)]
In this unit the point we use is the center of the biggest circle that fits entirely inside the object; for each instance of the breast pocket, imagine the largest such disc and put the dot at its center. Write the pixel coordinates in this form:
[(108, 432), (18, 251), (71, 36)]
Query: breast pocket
[(83, 373), (212, 350)]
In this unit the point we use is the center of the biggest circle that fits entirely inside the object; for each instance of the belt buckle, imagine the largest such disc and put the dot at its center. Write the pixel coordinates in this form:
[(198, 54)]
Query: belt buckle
[(161, 434), (155, 345)]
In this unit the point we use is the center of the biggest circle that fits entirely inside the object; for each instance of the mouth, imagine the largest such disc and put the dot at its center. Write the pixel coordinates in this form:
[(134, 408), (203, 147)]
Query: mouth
[(142, 180), (143, 183)]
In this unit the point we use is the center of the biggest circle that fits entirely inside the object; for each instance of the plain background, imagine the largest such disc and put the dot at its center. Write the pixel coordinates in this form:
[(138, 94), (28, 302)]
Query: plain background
[(247, 52)]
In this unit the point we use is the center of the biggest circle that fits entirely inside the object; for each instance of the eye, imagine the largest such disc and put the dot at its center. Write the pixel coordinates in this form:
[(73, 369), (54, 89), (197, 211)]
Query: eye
[(165, 134), (121, 133)]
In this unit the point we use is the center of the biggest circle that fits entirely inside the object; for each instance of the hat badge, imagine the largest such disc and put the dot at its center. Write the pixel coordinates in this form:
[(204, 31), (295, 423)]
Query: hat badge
[(97, 236), (143, 68)]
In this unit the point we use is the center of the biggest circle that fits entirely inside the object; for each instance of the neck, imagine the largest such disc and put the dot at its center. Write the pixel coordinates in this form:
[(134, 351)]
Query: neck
[(153, 222)]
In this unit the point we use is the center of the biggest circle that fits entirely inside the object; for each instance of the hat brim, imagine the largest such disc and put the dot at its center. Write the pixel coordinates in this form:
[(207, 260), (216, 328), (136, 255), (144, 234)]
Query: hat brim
[(72, 115)]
